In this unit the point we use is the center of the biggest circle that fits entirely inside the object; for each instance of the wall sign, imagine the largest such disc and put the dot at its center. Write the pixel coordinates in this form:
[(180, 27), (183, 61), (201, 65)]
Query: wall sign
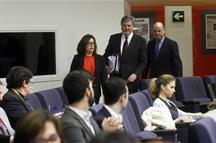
[(178, 16)]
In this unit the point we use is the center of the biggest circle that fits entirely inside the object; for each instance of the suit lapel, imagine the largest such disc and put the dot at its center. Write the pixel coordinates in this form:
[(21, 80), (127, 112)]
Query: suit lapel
[(106, 112), (163, 47), (132, 42), (80, 120), (118, 41), (95, 125)]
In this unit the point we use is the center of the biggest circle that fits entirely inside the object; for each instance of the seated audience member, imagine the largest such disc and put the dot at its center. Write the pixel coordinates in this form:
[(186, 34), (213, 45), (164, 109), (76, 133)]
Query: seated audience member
[(78, 123), (114, 137), (39, 126), (6, 131), (163, 89), (18, 85), (115, 93)]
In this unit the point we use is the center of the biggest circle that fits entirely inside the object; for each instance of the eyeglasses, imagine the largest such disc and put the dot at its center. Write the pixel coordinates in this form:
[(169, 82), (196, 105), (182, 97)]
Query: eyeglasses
[(91, 43)]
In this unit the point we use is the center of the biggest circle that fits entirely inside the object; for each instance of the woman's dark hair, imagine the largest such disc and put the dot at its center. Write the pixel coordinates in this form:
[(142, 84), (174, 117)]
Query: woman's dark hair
[(81, 48), (155, 83), (33, 123), (16, 75)]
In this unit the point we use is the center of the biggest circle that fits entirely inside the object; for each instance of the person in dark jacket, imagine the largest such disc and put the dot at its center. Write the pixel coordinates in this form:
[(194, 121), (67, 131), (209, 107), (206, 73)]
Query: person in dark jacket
[(88, 59), (18, 85)]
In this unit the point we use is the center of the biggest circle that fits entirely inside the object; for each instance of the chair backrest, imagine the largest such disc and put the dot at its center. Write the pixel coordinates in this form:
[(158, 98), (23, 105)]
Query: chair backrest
[(191, 89), (95, 108), (203, 131), (63, 96), (210, 84), (146, 92), (33, 101), (139, 103), (209, 79), (144, 84), (51, 100), (129, 119)]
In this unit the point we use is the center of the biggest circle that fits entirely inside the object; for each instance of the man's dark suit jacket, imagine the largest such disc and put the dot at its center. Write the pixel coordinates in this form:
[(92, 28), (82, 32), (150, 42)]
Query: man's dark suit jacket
[(14, 107), (100, 115), (168, 60), (100, 74), (133, 60), (75, 128)]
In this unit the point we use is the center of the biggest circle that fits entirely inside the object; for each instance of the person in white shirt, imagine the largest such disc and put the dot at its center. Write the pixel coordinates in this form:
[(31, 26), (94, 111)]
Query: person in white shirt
[(163, 88), (115, 93)]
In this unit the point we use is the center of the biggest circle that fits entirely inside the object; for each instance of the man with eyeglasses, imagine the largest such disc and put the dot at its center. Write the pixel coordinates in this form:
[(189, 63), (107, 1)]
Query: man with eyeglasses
[(18, 85)]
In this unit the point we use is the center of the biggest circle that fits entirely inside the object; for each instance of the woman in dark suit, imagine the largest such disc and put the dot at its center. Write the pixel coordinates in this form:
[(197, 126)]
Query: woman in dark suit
[(88, 59)]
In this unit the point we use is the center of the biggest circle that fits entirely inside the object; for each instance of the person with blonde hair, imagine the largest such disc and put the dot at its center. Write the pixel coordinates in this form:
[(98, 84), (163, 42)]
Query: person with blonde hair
[(163, 88)]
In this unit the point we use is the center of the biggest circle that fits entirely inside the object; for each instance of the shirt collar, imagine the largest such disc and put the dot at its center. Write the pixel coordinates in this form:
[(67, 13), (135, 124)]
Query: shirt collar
[(113, 113), (129, 36), (83, 114), (161, 40)]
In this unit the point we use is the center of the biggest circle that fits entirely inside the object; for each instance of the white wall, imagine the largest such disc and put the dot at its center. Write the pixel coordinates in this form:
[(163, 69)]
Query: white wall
[(182, 33), (70, 19)]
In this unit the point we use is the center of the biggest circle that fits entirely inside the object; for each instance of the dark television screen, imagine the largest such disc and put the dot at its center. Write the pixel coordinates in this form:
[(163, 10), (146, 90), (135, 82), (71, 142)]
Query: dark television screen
[(34, 50)]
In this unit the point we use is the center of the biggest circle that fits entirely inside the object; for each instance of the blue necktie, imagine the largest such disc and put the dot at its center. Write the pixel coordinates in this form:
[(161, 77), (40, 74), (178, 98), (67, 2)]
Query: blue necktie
[(157, 49)]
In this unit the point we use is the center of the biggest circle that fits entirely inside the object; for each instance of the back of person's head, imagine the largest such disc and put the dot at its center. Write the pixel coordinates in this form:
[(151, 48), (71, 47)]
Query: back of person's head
[(32, 126), (83, 43), (75, 84), (128, 18), (113, 88), (114, 137), (17, 75), (156, 83)]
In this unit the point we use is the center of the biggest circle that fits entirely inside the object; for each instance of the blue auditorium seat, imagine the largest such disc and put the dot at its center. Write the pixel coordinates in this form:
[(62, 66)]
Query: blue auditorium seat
[(51, 99), (203, 131), (144, 84), (191, 90), (131, 125), (33, 101), (140, 103), (63, 96), (95, 108), (210, 84)]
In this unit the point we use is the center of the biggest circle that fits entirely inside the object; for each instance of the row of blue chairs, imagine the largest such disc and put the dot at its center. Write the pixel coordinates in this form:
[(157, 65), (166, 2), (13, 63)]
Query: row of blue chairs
[(132, 117), (200, 131), (192, 93), (53, 100)]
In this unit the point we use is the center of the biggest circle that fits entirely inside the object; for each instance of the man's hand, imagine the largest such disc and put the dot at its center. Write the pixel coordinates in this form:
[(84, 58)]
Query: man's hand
[(132, 77), (109, 70), (112, 124)]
